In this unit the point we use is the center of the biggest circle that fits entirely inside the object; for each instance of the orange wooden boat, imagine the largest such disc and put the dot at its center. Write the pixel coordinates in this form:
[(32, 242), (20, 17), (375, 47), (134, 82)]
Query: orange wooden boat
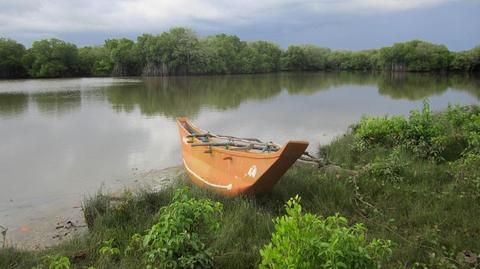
[(234, 166)]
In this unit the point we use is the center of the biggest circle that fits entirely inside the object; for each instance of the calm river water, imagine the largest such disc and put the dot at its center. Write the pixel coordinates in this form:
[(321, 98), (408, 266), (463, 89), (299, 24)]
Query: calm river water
[(63, 138)]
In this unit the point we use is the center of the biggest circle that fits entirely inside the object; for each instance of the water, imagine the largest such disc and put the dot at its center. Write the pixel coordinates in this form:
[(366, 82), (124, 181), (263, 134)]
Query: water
[(63, 138)]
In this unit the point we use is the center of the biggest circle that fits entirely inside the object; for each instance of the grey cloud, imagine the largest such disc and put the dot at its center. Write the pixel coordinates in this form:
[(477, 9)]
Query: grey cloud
[(283, 21)]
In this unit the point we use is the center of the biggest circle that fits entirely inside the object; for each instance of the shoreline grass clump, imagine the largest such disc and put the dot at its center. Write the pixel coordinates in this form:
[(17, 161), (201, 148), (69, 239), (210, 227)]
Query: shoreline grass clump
[(412, 181)]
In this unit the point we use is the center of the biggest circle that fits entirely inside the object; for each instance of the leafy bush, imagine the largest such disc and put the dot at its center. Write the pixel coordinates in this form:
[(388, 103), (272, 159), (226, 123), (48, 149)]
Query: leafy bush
[(378, 130), (56, 262), (108, 249), (423, 135), (437, 137), (457, 115), (389, 169), (179, 238), (473, 133), (134, 246), (467, 174), (309, 241)]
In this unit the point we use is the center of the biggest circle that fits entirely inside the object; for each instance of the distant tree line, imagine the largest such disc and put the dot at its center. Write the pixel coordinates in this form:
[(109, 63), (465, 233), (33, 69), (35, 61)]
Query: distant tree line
[(180, 51)]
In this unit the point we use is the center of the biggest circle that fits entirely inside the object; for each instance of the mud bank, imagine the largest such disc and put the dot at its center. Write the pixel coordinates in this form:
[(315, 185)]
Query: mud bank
[(60, 219)]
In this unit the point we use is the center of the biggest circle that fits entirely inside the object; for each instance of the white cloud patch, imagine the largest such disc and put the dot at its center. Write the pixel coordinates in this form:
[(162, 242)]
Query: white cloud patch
[(66, 16)]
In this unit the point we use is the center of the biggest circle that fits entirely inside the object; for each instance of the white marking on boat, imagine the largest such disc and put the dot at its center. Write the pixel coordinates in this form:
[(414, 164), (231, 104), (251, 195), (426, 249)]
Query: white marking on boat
[(252, 171), (228, 187)]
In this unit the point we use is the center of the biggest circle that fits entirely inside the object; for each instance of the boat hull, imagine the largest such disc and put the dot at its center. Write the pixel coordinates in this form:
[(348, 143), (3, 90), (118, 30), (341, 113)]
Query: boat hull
[(231, 172)]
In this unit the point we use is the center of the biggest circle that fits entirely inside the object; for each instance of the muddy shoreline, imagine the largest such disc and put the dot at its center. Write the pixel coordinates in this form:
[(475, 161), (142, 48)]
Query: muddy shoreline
[(62, 219)]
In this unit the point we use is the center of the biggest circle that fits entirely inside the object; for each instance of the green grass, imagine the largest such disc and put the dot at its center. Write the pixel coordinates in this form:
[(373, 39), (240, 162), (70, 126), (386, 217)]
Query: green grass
[(429, 208), (421, 216)]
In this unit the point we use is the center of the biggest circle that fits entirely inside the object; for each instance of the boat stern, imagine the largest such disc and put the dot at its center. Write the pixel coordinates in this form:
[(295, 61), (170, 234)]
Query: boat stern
[(289, 155)]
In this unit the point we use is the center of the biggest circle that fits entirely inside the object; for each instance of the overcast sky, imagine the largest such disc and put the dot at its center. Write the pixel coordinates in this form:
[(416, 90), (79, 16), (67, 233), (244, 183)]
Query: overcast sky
[(338, 24)]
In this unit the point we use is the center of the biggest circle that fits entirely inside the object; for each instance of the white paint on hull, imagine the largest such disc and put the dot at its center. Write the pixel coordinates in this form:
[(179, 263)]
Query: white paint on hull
[(228, 187)]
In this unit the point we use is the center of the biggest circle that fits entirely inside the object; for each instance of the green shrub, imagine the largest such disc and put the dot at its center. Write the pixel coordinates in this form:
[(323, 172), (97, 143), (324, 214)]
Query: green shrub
[(424, 135), (108, 250), (437, 137), (457, 115), (473, 133), (465, 122), (378, 130), (309, 241), (178, 239), (56, 262), (467, 173), (389, 169), (134, 246)]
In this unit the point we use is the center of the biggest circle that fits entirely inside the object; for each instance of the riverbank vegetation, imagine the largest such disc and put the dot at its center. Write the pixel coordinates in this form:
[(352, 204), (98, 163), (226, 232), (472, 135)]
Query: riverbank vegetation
[(407, 196), (180, 51)]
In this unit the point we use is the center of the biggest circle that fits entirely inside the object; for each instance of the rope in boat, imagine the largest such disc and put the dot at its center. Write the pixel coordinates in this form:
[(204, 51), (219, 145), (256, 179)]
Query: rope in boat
[(249, 143)]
